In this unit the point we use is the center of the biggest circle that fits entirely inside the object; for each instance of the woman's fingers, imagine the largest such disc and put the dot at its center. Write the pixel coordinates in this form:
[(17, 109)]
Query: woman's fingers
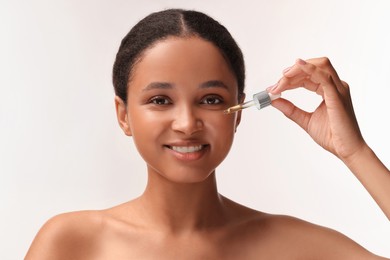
[(299, 116), (333, 124), (314, 75), (301, 82)]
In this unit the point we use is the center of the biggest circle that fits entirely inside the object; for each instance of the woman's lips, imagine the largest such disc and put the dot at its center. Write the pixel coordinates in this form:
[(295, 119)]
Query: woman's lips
[(186, 149), (188, 152)]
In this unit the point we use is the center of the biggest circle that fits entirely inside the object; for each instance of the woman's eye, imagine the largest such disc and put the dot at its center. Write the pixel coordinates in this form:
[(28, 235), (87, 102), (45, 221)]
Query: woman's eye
[(212, 100), (160, 101)]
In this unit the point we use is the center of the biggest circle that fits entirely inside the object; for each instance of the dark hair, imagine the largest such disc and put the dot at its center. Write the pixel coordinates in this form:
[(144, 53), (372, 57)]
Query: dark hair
[(173, 22)]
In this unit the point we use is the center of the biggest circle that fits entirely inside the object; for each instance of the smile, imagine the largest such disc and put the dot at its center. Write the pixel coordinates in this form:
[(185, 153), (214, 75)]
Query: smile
[(186, 149)]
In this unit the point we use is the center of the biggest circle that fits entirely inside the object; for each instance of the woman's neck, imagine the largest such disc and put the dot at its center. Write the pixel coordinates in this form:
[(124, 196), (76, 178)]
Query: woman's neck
[(182, 207)]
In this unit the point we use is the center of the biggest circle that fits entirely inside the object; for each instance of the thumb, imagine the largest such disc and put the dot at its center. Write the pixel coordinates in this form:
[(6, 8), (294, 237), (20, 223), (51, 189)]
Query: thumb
[(299, 116)]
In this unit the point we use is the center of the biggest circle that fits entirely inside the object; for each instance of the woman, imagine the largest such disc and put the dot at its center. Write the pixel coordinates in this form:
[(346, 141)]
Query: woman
[(174, 74)]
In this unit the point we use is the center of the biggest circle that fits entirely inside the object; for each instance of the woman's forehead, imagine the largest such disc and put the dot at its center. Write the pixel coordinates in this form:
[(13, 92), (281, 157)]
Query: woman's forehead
[(176, 57)]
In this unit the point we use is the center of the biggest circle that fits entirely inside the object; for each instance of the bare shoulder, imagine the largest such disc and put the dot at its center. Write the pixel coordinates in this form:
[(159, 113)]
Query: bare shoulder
[(310, 241), (67, 236)]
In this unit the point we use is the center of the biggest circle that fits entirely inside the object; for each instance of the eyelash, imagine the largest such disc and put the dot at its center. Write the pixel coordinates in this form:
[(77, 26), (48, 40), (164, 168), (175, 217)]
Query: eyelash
[(213, 97), (154, 100), (204, 101)]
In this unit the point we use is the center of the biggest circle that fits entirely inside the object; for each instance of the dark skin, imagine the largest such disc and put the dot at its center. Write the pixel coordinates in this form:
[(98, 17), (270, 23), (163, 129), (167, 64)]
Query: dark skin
[(181, 215)]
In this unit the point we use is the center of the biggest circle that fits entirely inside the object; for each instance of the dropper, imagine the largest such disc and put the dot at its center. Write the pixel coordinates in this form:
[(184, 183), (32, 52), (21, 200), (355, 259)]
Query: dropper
[(260, 100)]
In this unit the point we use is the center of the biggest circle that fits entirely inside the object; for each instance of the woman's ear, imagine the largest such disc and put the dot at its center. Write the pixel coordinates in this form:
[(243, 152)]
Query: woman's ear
[(238, 119), (122, 116)]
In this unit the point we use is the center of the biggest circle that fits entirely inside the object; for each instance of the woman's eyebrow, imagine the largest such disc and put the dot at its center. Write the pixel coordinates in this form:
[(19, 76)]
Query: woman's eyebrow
[(167, 85), (213, 83), (158, 85)]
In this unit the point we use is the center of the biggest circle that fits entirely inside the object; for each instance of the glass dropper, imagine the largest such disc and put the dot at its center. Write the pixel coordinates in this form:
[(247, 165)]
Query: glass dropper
[(260, 100)]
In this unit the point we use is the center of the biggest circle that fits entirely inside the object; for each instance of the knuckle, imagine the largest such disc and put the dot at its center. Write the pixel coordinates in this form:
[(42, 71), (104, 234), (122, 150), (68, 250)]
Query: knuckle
[(345, 84), (324, 62), (346, 87)]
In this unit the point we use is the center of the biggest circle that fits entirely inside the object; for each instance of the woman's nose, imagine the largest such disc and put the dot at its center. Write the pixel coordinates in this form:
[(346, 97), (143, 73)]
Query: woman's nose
[(187, 121)]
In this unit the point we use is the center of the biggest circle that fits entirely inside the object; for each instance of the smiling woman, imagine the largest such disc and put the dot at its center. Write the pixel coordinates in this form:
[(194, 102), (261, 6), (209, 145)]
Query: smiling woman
[(167, 120), (175, 73)]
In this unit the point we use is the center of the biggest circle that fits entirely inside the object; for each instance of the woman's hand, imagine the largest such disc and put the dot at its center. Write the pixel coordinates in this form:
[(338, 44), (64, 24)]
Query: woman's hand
[(333, 124)]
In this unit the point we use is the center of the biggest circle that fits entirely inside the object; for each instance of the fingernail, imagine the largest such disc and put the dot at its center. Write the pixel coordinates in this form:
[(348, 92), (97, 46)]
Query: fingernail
[(286, 69), (301, 62)]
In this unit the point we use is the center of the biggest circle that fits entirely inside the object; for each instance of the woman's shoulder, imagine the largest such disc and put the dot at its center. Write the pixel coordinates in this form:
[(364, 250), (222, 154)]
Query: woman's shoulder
[(76, 219), (67, 235), (306, 239), (266, 233), (78, 222)]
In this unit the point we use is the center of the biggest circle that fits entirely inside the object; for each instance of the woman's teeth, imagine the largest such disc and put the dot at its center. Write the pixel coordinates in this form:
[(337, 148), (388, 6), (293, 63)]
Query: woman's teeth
[(187, 149)]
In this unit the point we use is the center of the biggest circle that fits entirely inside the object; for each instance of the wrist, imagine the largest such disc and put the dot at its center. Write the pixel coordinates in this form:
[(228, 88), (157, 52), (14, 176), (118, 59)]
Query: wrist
[(360, 156)]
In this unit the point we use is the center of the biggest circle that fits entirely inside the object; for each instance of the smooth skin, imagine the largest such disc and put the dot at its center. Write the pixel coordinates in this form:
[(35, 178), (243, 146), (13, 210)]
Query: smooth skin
[(174, 114)]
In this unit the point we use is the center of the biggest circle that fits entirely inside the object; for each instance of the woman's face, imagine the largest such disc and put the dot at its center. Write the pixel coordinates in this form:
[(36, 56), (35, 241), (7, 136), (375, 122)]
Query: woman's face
[(174, 112)]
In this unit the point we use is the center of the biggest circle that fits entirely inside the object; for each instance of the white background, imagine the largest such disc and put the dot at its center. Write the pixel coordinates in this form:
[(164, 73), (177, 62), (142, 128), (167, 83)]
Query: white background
[(62, 150)]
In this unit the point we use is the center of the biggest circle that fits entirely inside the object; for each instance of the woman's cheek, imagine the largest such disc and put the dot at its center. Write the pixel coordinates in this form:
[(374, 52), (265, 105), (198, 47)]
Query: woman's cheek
[(221, 124), (227, 121)]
